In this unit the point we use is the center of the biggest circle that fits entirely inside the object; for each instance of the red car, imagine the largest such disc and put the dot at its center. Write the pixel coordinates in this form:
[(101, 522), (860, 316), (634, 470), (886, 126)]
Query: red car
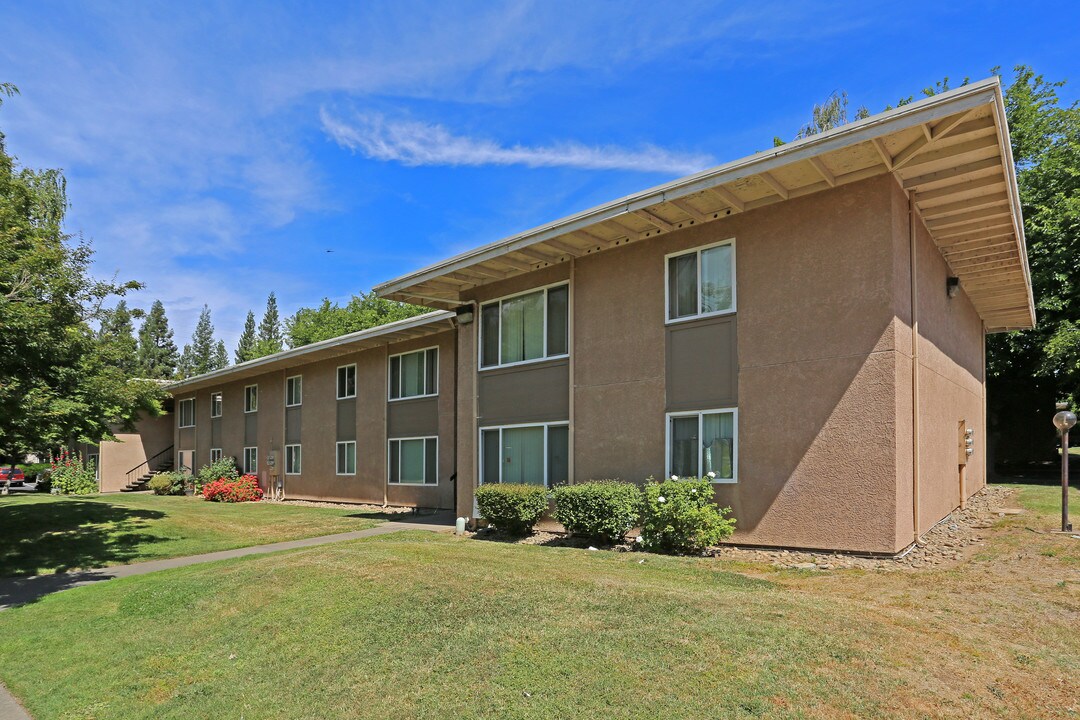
[(16, 476)]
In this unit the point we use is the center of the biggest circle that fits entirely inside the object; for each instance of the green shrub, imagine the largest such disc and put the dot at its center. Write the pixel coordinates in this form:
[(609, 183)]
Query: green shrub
[(223, 469), (604, 510), (162, 484), (514, 509), (680, 516), (179, 481), (32, 470)]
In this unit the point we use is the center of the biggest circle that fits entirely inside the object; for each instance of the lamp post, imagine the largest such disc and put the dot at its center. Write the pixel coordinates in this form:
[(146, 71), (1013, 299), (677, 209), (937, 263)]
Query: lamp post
[(1063, 421)]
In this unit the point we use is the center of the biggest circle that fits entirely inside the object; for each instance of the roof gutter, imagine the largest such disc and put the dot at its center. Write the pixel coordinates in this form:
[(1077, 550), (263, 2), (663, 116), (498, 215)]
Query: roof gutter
[(980, 93)]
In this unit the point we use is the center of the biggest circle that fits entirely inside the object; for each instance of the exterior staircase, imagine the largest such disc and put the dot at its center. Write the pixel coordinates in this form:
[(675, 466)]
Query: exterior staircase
[(138, 483)]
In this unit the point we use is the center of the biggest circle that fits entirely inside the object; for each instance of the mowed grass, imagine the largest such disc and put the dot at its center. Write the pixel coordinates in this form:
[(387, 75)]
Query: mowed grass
[(47, 533), (419, 625)]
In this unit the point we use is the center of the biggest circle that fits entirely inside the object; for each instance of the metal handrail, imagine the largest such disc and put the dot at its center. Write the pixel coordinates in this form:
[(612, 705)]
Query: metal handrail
[(146, 463)]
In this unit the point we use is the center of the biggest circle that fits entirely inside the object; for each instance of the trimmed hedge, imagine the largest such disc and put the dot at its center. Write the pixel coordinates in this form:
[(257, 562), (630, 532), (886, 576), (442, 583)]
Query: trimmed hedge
[(604, 510), (680, 516), (513, 509), (161, 484)]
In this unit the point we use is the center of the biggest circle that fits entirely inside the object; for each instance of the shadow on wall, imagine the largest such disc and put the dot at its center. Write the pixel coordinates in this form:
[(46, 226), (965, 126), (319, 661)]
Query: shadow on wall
[(68, 535)]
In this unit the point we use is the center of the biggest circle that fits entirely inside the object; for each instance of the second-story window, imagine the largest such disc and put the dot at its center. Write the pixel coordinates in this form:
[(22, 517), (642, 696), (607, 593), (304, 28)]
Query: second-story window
[(186, 413), (251, 398), (701, 282), (414, 374), (215, 405), (294, 391), (346, 382), (523, 328)]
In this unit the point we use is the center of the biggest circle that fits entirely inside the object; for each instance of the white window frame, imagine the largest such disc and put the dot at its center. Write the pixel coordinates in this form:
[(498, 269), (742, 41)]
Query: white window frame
[(96, 459), (356, 462), (734, 441), (337, 381), (299, 459), (399, 440), (216, 406), (287, 380), (245, 470), (668, 320), (545, 357), (180, 413), (247, 408), (480, 444), (215, 454), (389, 375)]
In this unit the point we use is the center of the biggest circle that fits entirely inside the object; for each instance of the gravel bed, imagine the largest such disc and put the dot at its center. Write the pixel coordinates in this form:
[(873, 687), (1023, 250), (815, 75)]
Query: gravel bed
[(389, 510)]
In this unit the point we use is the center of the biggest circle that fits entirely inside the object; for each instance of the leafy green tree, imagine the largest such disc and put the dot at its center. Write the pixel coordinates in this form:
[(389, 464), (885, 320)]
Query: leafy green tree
[(827, 115), (245, 346), (59, 382), (329, 320), (157, 355), (270, 338), (118, 331)]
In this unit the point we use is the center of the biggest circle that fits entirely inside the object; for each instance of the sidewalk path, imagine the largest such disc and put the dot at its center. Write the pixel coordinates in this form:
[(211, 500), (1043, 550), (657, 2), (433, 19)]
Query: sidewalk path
[(10, 709), (21, 590)]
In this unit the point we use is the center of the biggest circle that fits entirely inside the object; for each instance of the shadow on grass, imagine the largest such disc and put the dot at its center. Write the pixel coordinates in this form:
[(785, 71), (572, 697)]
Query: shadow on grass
[(70, 534)]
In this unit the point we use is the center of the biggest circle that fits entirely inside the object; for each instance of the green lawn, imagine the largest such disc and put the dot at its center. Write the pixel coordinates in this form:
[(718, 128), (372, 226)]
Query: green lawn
[(48, 533), (419, 625)]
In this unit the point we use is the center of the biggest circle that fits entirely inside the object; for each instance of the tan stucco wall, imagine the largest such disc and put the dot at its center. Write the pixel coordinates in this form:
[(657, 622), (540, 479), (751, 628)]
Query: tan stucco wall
[(318, 420), (151, 435)]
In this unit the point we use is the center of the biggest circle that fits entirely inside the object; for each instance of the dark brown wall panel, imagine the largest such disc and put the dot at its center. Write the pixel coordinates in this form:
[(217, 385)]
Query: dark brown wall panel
[(292, 425), (702, 364), (413, 418), (526, 393), (346, 420)]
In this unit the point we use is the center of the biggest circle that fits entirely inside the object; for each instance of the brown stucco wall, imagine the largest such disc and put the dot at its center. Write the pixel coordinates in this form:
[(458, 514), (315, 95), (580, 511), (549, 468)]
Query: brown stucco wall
[(130, 449)]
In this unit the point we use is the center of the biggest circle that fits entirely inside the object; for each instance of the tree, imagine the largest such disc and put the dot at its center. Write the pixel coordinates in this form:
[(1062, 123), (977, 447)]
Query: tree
[(363, 311), (157, 356), (245, 346), (827, 115), (202, 354), (118, 330), (270, 338), (62, 383)]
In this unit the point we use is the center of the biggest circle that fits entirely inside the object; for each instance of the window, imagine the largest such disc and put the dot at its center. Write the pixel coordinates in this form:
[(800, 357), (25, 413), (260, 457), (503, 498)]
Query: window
[(346, 457), (414, 374), (524, 328), (215, 454), (701, 282), (346, 382), (414, 461), (294, 391), (215, 405), (530, 454), (95, 461), (186, 413), (251, 398), (292, 459), (700, 443), (251, 460)]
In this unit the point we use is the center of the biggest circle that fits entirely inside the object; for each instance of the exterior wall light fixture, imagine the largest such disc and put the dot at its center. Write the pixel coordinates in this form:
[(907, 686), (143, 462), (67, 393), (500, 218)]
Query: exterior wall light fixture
[(952, 286)]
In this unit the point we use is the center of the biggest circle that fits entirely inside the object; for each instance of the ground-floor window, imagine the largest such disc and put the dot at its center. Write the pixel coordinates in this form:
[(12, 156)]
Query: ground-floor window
[(703, 442), (215, 454), (95, 459), (346, 457), (530, 454), (251, 460), (414, 461), (292, 459)]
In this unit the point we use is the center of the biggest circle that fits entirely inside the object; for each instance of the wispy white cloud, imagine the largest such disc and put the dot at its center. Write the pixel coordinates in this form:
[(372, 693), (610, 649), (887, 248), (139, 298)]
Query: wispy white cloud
[(414, 143)]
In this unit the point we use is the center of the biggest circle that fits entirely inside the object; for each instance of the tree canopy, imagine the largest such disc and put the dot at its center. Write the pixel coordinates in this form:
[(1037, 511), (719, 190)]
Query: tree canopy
[(270, 339), (245, 346), (203, 354), (329, 320), (60, 381), (157, 355)]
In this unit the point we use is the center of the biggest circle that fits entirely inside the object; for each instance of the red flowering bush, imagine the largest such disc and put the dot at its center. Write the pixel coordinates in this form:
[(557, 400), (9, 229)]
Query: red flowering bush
[(243, 489)]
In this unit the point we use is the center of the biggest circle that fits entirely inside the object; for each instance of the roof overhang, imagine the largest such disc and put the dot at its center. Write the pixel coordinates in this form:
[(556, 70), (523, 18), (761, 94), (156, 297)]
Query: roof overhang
[(950, 152), (407, 329)]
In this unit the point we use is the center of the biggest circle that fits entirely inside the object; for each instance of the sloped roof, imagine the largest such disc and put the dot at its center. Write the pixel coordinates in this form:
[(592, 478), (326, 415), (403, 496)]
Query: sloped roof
[(950, 151)]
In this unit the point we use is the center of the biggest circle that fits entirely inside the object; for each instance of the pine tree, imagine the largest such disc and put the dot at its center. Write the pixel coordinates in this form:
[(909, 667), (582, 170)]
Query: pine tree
[(220, 358), (117, 334), (271, 339), (157, 357), (245, 347), (200, 353)]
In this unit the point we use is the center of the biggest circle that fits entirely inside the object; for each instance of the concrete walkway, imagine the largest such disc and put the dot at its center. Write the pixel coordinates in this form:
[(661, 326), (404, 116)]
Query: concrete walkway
[(10, 709), (21, 590)]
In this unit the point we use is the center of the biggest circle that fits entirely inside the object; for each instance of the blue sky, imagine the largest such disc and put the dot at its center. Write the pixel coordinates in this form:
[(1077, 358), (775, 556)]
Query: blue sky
[(216, 151)]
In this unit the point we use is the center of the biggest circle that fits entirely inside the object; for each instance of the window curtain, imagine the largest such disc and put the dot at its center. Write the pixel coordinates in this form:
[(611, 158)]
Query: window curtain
[(523, 328), (411, 462), (716, 279), (489, 331), (684, 446), (717, 444), (558, 455), (523, 455), (412, 374), (492, 448)]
